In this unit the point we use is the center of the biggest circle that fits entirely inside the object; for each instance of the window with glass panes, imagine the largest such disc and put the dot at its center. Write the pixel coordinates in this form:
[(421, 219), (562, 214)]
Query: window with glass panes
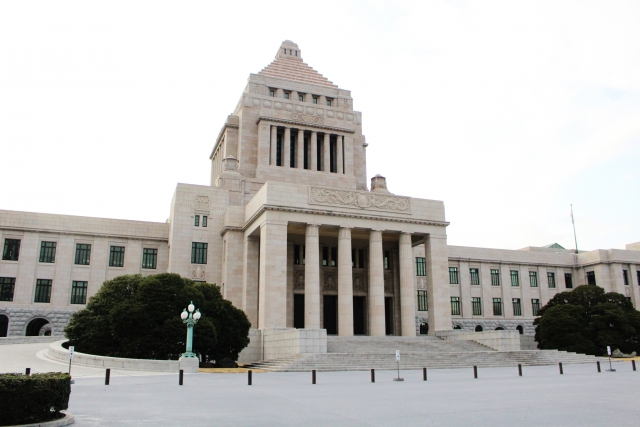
[(475, 276), (43, 290), (422, 301), (196, 220), (495, 277), (48, 252), (334, 257), (83, 254), (421, 266), (568, 280), (198, 253), (535, 305), (517, 307), (455, 306), (551, 279), (7, 285), (453, 275), (149, 258), (533, 279), (625, 279), (116, 256), (497, 306), (476, 306), (387, 260), (205, 219), (325, 256), (591, 278), (515, 280), (79, 292), (11, 250)]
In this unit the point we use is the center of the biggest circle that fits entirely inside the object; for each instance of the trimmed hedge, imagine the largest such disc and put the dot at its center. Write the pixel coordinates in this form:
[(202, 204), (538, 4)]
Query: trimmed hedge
[(32, 399)]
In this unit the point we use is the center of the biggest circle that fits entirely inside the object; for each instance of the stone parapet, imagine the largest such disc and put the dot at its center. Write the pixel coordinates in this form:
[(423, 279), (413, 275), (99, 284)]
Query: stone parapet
[(285, 342)]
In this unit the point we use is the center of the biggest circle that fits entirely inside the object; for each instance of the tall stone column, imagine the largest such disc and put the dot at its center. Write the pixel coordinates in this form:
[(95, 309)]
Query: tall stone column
[(439, 301), (264, 142), (300, 149), (313, 154), (272, 302), (326, 148), (345, 283), (407, 287), (287, 148), (312, 278), (274, 145), (339, 160), (376, 285), (251, 276)]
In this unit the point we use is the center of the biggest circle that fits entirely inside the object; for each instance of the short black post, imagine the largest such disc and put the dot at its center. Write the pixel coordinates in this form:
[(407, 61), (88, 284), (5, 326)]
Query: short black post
[(560, 366), (181, 377), (313, 376), (519, 369), (107, 376), (475, 372), (27, 371), (633, 364), (598, 364), (424, 374), (249, 373), (373, 375)]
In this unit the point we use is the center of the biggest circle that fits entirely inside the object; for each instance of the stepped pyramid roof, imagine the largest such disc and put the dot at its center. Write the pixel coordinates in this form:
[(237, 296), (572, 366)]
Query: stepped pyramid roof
[(288, 65)]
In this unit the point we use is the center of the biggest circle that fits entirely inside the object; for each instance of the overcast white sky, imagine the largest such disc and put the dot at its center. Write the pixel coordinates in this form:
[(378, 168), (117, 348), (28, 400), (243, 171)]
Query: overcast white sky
[(508, 111)]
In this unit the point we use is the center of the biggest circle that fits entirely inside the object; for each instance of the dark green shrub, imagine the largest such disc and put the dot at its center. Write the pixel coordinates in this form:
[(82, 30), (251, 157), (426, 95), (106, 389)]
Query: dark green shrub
[(33, 399), (139, 317)]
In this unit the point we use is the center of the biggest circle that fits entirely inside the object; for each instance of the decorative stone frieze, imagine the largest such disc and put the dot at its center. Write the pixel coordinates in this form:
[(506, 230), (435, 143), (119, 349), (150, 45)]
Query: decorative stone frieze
[(421, 284), (306, 118), (359, 200), (198, 272), (202, 203), (388, 282), (298, 284), (330, 283), (358, 283)]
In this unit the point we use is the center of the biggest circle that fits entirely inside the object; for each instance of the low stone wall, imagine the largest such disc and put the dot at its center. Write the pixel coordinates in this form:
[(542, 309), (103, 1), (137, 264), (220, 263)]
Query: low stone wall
[(57, 352), (492, 324), (278, 343), (19, 318), (253, 352), (28, 340), (527, 342), (498, 340)]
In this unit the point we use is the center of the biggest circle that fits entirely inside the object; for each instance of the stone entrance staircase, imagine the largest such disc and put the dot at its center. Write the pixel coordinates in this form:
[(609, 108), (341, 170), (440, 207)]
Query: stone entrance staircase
[(364, 353)]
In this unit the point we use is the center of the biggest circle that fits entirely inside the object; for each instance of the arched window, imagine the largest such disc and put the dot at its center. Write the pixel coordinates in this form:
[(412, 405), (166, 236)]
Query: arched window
[(4, 325), (33, 328), (499, 328), (479, 328), (424, 328), (520, 329), (457, 327)]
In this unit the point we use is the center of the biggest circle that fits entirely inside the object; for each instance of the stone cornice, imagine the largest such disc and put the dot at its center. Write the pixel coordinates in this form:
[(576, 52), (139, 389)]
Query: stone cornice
[(83, 233), (304, 124), (540, 264)]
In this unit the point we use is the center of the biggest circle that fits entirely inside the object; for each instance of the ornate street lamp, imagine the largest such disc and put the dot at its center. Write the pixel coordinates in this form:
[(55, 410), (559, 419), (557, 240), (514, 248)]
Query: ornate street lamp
[(190, 319)]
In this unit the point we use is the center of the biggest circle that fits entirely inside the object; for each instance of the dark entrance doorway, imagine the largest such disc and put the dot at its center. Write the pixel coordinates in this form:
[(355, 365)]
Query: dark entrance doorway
[(358, 315), (298, 311), (424, 328), (331, 314), (4, 325), (33, 328), (388, 315)]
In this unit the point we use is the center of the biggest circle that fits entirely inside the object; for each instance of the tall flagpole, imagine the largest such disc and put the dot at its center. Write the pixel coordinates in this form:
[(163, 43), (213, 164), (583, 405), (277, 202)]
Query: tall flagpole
[(574, 228)]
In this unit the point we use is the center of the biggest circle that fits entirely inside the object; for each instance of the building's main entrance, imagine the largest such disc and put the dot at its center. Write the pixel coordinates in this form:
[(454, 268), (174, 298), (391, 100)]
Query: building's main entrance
[(330, 311), (358, 315), (298, 311), (388, 315)]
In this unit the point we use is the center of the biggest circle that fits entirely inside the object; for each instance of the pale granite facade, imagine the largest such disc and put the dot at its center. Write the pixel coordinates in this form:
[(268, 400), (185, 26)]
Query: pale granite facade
[(293, 232)]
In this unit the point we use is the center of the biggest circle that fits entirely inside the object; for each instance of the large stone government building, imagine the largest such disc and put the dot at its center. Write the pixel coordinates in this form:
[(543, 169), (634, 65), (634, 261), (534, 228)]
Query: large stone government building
[(294, 236)]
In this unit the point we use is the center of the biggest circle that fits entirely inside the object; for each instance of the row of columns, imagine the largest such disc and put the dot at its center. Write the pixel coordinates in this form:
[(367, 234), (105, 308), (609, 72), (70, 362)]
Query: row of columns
[(312, 152)]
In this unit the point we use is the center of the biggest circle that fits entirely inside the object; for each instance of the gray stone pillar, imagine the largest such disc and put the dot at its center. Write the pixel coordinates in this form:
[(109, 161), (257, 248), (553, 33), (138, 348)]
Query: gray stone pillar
[(300, 149), (439, 304), (407, 287), (339, 160), (376, 285), (345, 284), (287, 148), (326, 148), (274, 145), (312, 278), (313, 155), (272, 302)]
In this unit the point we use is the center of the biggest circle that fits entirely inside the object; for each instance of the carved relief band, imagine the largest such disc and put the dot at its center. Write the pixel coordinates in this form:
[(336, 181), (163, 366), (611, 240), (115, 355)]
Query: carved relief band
[(307, 118), (359, 199), (202, 203)]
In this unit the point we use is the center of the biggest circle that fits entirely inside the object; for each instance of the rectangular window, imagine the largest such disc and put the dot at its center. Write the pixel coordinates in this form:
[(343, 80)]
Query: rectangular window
[(48, 252), (196, 220), (11, 249), (495, 277), (286, 95), (353, 258), (387, 260), (476, 305), (198, 253), (568, 280), (301, 97), (625, 279), (453, 275), (7, 285), (204, 220), (533, 279), (315, 100), (422, 301), (475, 276), (361, 258), (421, 266), (591, 278), (517, 307), (515, 280), (43, 291), (535, 305), (497, 306), (551, 279), (83, 254), (272, 93), (296, 254), (116, 256), (325, 256), (334, 257), (149, 258), (328, 103), (455, 306), (78, 292)]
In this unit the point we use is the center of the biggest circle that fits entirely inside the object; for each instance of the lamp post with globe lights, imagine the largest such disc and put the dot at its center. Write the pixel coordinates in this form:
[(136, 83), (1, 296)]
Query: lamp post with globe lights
[(190, 319)]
